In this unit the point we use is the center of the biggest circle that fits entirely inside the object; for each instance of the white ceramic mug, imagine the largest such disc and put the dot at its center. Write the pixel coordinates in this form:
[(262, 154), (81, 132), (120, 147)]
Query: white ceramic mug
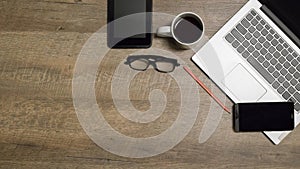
[(187, 29)]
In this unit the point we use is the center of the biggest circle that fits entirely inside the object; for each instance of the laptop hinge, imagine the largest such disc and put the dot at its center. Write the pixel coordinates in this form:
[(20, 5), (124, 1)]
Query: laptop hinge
[(281, 25)]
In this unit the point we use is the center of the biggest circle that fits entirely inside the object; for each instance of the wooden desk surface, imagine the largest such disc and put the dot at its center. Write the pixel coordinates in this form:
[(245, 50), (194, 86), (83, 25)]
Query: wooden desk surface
[(39, 44)]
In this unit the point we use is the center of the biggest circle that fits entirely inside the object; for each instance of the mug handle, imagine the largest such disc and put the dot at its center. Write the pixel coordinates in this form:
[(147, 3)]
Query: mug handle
[(164, 31)]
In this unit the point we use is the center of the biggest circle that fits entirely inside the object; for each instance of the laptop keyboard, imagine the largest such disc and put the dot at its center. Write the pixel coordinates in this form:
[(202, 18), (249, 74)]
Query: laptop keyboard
[(269, 54)]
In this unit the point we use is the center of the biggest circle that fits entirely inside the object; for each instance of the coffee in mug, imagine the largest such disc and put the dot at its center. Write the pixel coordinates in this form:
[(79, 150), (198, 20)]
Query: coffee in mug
[(187, 29)]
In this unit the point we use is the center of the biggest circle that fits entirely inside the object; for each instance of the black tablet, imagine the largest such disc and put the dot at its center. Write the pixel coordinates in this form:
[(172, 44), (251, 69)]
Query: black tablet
[(129, 23)]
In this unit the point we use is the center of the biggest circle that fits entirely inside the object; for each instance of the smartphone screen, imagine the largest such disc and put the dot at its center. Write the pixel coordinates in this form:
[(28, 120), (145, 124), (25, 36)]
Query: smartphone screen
[(129, 23), (271, 116)]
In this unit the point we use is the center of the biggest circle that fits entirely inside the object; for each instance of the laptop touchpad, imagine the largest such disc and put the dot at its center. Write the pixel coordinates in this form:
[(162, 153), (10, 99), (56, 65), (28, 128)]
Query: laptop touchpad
[(243, 85)]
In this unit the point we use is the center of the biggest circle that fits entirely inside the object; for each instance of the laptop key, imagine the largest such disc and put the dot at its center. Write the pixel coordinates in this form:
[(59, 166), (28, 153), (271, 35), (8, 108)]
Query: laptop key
[(294, 82), (278, 66), (297, 75), (298, 68), (251, 29), (298, 86), (292, 70), (274, 42), (266, 44), (269, 37), (262, 22), (271, 49), (229, 38), (294, 54), (263, 51), (245, 23), (235, 43), (248, 36), (281, 60), (291, 90), (288, 76), (297, 96), (276, 74), (281, 79), (268, 56), (290, 50), (249, 17), (261, 59), (273, 61), (261, 39), (280, 40), (261, 69), (266, 64), (237, 35), (284, 52), (287, 65), (292, 99), (253, 12), (241, 29), (251, 49), (253, 41), (280, 90), (254, 22), (258, 46), (271, 69), (255, 54), (240, 49), (279, 47), (245, 54), (259, 27), (246, 44), (258, 17), (276, 36), (283, 72), (277, 54), (275, 85), (289, 57), (286, 95), (256, 34), (286, 84), (264, 32)]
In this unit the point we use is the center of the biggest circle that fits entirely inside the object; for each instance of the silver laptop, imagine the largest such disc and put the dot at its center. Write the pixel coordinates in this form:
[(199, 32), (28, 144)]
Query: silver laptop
[(254, 57)]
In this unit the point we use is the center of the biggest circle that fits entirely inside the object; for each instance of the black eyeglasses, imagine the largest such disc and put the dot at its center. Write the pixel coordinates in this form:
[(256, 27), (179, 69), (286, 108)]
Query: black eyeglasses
[(142, 62)]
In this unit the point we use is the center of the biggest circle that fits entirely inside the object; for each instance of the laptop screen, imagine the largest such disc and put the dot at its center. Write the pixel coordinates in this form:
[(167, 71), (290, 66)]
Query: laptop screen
[(287, 11)]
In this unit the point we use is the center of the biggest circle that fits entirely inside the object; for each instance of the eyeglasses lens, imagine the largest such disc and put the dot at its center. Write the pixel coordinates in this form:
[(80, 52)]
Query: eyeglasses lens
[(140, 64), (165, 66)]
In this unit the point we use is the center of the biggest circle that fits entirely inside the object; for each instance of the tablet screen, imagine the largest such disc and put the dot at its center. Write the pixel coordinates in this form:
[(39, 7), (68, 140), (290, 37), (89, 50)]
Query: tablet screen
[(131, 24)]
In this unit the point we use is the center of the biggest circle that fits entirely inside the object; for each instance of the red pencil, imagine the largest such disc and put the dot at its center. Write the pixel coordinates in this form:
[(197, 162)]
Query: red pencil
[(206, 89)]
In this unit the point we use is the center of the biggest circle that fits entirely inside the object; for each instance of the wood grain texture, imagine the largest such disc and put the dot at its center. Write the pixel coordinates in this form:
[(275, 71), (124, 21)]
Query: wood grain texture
[(39, 43)]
